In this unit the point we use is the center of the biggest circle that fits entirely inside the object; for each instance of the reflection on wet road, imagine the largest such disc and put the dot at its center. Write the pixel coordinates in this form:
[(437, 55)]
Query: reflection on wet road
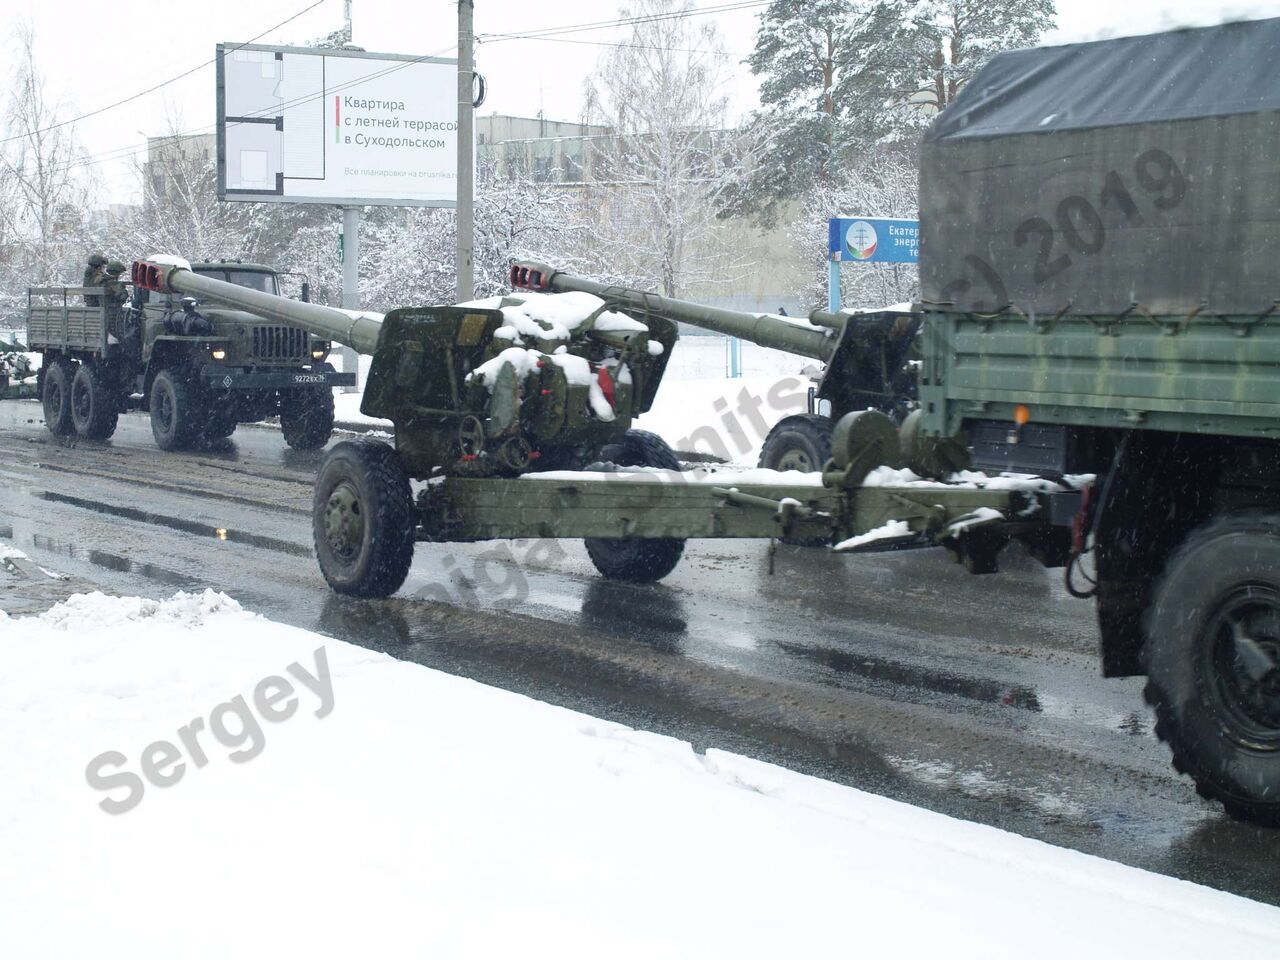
[(978, 697)]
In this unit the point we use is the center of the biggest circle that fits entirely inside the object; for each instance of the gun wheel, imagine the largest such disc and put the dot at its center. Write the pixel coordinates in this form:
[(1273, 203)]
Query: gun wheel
[(363, 519), (632, 558)]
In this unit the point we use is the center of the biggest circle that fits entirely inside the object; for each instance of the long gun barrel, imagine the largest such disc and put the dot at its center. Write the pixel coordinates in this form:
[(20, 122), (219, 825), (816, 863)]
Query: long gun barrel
[(818, 341), (360, 332)]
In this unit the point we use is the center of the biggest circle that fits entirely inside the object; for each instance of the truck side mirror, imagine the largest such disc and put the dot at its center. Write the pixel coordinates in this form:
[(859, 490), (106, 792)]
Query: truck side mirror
[(306, 292)]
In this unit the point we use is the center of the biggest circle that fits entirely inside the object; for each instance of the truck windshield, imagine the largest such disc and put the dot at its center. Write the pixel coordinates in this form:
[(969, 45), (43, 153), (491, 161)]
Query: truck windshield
[(253, 279)]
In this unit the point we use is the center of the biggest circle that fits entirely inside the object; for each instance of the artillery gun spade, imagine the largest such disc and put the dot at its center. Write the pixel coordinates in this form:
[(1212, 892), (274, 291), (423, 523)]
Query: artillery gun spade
[(866, 356)]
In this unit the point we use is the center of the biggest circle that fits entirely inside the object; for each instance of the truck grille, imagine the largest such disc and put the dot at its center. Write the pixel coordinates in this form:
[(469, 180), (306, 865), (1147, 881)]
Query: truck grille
[(279, 344)]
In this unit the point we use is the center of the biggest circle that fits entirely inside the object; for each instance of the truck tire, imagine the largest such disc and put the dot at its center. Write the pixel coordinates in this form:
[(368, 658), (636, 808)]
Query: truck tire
[(177, 414), (220, 422), (306, 418), (56, 396), (1212, 657), (801, 442), (363, 519), (637, 560), (94, 405)]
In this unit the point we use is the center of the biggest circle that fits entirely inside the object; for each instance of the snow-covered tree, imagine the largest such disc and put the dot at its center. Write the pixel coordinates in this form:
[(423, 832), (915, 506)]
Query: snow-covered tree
[(920, 53), (838, 77), (660, 91), (885, 185), (43, 198)]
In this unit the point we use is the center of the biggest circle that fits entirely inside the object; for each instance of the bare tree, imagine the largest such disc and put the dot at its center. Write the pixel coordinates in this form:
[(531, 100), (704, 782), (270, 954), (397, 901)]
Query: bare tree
[(660, 92), (43, 200)]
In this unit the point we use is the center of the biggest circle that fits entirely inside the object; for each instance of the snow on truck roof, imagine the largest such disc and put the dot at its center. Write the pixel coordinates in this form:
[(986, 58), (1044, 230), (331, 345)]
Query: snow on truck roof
[(1179, 75)]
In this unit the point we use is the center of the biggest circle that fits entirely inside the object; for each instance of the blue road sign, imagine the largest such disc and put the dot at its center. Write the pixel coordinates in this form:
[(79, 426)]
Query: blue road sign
[(873, 240)]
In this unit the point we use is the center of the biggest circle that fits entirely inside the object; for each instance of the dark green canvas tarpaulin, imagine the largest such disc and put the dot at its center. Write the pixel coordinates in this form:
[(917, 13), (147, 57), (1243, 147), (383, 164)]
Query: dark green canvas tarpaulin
[(1139, 174)]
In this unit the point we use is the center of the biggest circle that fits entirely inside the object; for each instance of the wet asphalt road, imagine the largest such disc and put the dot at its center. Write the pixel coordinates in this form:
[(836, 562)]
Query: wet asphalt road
[(978, 697)]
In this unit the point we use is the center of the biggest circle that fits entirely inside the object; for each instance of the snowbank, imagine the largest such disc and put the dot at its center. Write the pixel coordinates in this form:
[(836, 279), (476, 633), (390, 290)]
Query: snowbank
[(428, 815)]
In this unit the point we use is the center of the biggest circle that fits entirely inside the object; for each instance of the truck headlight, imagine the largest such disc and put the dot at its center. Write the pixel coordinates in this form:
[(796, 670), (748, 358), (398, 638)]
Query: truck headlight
[(218, 353), (320, 349)]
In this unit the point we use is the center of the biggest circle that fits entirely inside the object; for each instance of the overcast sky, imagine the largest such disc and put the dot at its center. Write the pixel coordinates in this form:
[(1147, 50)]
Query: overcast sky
[(95, 53)]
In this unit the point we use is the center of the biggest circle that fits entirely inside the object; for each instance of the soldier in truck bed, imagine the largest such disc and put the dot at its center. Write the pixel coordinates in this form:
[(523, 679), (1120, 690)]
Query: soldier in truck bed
[(115, 295), (94, 277)]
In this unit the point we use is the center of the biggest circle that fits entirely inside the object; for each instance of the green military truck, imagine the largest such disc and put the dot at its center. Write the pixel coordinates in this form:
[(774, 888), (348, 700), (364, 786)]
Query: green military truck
[(200, 369)]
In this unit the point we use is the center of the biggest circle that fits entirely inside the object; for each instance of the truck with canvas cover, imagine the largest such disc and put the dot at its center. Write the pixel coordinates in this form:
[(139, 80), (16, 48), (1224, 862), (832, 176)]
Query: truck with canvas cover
[(1099, 242), (200, 368)]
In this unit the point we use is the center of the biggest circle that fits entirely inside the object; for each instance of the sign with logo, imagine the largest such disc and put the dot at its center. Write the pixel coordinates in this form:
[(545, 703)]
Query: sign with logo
[(873, 240)]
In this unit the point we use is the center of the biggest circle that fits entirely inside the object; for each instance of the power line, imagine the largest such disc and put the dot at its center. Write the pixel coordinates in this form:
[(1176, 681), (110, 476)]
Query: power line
[(175, 79), (620, 22)]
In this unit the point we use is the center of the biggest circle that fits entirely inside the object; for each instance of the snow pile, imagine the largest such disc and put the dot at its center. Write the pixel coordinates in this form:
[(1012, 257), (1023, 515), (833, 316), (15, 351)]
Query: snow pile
[(524, 363), (424, 814), (717, 477), (187, 610), (11, 553), (528, 315), (893, 530), (974, 480)]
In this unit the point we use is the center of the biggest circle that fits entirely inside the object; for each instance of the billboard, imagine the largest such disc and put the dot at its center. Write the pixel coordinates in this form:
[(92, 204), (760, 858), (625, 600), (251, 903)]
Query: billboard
[(873, 240), (313, 125)]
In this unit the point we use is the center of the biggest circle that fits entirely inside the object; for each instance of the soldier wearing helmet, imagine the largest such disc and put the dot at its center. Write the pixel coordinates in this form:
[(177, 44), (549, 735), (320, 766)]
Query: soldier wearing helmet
[(115, 295), (94, 276)]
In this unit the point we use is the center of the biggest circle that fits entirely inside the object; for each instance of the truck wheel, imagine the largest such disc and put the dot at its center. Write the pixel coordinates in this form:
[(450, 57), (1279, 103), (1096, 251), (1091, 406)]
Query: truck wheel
[(306, 418), (176, 411), (635, 559), (94, 408), (801, 442), (56, 397), (221, 422), (1212, 657), (363, 519)]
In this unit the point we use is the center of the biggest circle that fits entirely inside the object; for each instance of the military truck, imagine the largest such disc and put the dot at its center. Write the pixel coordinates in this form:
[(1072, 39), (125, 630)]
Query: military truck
[(199, 368)]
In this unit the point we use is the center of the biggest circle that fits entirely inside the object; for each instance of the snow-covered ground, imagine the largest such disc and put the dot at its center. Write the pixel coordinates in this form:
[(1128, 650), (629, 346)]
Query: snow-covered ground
[(389, 810), (699, 408)]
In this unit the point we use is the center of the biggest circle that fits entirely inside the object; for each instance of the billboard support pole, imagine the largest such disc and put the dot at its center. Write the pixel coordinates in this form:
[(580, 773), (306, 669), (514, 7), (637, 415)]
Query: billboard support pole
[(351, 283), (833, 286), (466, 159)]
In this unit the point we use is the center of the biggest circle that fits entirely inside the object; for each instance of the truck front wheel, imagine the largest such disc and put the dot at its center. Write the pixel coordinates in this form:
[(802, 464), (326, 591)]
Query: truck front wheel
[(94, 405), (363, 519), (176, 411), (56, 396), (1212, 656), (306, 418)]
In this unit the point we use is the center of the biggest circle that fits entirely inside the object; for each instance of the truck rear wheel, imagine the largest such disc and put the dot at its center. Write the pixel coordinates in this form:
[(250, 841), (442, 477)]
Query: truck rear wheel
[(1212, 657), (635, 559), (306, 418), (801, 442), (94, 406), (177, 415), (56, 396), (363, 519)]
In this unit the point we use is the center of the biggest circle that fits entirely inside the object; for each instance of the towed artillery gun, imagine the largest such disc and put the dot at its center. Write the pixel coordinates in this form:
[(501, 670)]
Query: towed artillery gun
[(866, 357), (200, 374)]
